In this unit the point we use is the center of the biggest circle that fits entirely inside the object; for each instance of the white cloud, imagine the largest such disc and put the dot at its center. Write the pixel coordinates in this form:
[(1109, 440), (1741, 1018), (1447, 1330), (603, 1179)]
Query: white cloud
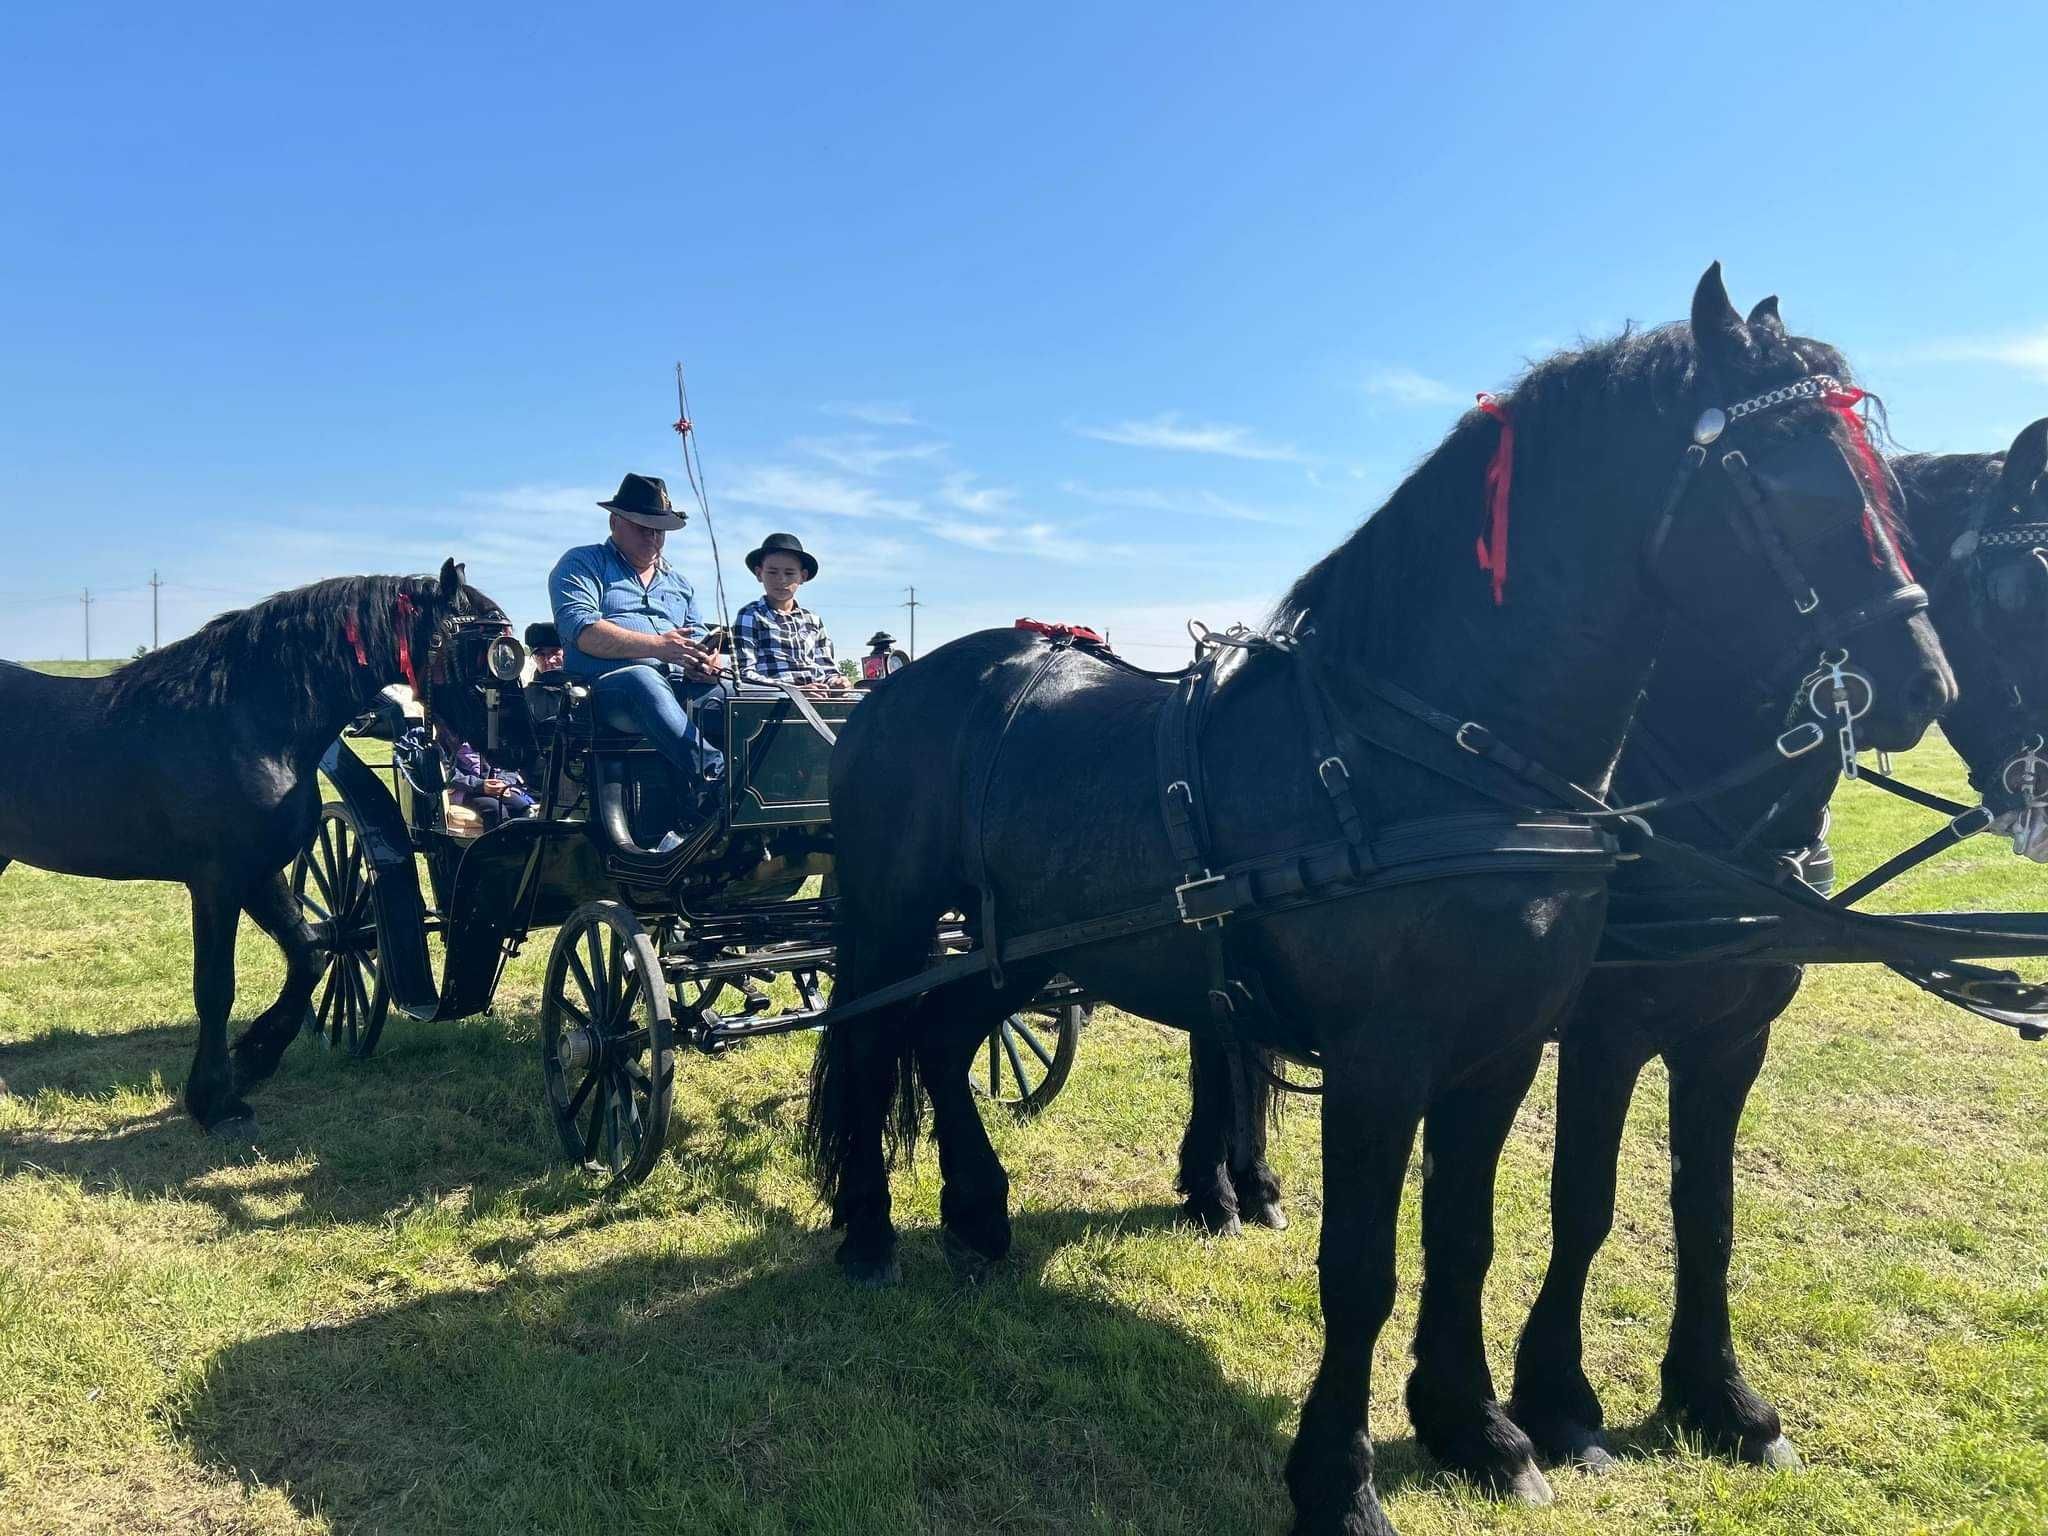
[(1407, 387), (2026, 351), (961, 494), (864, 454), (876, 413), (1042, 540), (1168, 431), (801, 490), (1177, 503)]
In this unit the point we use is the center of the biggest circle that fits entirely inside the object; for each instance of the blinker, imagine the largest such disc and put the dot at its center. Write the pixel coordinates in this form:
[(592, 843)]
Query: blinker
[(1712, 423)]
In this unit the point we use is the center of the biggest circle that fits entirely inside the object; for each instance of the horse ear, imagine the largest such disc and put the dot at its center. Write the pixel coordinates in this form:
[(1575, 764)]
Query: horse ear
[(1717, 328), (2025, 462), (1765, 317), (451, 579)]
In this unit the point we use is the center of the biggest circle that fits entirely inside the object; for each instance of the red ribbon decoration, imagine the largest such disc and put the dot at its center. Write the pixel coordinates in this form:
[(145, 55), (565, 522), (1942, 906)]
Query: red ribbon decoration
[(1492, 544), (1878, 514), (354, 636), (405, 618)]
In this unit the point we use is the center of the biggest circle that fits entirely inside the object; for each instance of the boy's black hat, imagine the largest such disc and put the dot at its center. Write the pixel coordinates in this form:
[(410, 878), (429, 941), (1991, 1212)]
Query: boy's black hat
[(783, 544)]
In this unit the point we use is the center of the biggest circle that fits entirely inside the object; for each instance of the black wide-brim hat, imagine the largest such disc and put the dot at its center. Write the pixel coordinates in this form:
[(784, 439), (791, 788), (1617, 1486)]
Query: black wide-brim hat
[(643, 499), (783, 544)]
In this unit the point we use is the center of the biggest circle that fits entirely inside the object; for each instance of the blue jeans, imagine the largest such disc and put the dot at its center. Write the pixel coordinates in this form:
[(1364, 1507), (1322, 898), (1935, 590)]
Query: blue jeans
[(642, 699)]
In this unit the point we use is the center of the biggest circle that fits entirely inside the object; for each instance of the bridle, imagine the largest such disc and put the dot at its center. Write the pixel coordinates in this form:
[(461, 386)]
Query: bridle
[(1834, 692), (2023, 775)]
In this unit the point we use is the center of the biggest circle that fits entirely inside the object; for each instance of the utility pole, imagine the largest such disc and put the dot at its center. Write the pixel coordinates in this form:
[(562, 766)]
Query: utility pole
[(86, 601), (154, 587), (913, 605)]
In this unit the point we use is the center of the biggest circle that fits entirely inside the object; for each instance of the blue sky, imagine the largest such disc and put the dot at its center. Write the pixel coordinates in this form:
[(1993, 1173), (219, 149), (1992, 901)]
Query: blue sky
[(1109, 313)]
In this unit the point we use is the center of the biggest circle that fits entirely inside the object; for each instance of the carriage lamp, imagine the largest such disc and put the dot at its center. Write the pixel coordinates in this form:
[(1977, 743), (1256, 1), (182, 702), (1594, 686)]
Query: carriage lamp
[(504, 657), (882, 659)]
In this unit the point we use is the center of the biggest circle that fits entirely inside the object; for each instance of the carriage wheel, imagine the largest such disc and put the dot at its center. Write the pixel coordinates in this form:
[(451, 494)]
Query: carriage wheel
[(332, 881), (607, 1046), (1028, 1058)]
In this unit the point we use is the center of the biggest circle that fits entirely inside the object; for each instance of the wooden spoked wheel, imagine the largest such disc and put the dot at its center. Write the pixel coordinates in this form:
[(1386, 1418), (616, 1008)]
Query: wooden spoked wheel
[(607, 1044), (333, 883), (1028, 1057)]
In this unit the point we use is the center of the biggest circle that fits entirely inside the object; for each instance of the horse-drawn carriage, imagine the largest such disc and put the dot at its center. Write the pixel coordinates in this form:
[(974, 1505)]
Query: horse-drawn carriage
[(655, 955)]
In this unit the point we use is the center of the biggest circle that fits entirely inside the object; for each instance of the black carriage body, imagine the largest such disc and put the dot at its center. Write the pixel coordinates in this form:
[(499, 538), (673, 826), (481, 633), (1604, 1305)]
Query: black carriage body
[(485, 893)]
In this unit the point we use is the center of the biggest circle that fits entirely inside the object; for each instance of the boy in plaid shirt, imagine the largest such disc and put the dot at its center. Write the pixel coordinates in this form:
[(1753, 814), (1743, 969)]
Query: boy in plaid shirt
[(775, 638)]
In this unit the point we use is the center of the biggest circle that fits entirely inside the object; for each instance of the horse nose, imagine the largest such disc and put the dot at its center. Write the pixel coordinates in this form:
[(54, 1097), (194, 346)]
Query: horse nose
[(1930, 692)]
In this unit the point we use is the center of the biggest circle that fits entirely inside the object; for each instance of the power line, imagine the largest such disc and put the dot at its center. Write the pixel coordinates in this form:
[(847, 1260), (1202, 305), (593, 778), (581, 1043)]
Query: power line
[(913, 605), (155, 588), (86, 600)]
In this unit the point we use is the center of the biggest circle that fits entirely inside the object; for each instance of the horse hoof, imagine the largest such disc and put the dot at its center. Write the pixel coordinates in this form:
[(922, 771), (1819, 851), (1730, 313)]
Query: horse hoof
[(235, 1131), (1588, 1454), (1530, 1487), (1777, 1454), (969, 1264), (1269, 1215), (871, 1274), (1213, 1219)]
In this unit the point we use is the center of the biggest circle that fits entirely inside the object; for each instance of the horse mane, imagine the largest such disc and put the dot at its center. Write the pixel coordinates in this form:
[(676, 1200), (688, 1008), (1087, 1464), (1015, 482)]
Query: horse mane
[(293, 646), (1569, 411)]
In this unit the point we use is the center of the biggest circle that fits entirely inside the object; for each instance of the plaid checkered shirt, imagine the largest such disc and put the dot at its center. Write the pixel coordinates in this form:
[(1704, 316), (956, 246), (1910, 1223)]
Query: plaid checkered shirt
[(787, 647)]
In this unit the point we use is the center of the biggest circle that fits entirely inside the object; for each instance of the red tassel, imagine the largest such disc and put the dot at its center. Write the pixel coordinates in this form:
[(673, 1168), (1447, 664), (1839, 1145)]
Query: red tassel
[(354, 636), (405, 616), (1880, 520), (1492, 545)]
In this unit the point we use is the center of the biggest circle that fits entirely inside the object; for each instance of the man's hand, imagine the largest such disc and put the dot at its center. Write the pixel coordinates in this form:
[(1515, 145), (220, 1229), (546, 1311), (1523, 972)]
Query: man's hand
[(495, 788), (677, 647)]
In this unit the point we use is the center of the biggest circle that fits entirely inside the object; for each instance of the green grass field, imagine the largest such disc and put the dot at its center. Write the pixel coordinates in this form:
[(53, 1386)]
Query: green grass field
[(399, 1314), (75, 668)]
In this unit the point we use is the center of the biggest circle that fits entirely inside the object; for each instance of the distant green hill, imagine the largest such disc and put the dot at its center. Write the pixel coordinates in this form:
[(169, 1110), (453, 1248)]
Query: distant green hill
[(73, 668)]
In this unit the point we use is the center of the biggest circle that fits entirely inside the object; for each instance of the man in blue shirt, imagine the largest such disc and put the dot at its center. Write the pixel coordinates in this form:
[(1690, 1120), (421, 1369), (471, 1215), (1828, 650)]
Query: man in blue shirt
[(629, 626)]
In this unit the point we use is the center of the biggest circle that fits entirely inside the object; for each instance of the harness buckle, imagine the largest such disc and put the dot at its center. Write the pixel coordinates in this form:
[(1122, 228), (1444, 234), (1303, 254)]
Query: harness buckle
[(1477, 728), (1222, 1002), (1812, 602), (1801, 739), (1186, 793), (1323, 771), (1971, 822), (1198, 919)]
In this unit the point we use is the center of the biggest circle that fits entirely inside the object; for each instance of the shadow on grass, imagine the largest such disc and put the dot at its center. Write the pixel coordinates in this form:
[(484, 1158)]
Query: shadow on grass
[(90, 1063), (440, 1108), (755, 1390)]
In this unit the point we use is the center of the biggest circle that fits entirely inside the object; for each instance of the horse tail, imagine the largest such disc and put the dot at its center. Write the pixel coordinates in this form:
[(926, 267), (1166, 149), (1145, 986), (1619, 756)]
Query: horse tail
[(864, 1085)]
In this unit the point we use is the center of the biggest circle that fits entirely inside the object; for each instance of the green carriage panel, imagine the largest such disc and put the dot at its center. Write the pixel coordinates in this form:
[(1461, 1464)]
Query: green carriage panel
[(780, 768)]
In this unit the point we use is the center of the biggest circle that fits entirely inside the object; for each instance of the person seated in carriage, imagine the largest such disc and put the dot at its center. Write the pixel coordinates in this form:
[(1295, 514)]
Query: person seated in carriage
[(776, 640), (494, 794), (629, 627)]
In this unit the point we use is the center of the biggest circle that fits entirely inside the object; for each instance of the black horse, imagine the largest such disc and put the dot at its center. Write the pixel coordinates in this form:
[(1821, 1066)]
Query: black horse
[(198, 763), (1712, 1024), (1429, 997)]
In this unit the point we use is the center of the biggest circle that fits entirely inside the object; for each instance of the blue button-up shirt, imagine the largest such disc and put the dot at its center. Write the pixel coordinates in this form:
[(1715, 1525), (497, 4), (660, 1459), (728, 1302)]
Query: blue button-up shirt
[(594, 582)]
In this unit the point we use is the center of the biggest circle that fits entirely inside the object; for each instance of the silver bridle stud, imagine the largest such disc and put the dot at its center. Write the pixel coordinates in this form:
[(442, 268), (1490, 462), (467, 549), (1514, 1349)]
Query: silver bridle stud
[(1712, 423)]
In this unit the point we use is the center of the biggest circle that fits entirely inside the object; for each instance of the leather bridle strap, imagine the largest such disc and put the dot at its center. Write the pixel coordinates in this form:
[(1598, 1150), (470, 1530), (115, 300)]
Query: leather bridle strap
[(1479, 741)]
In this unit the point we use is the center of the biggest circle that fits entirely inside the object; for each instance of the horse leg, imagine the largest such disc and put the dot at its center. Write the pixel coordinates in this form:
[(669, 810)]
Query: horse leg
[(1369, 1117), (275, 910), (860, 1066), (210, 1090), (974, 1194), (1553, 1401), (1450, 1391), (1711, 1075), (1257, 1186), (1209, 1198)]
